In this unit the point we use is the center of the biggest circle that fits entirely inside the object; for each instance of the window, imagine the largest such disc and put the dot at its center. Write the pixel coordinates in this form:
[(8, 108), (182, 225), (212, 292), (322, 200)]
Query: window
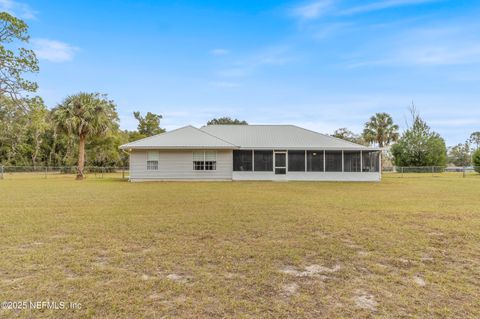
[(296, 161), (204, 160), (242, 161), (315, 161), (263, 161), (351, 161), (333, 161), (152, 160), (370, 161)]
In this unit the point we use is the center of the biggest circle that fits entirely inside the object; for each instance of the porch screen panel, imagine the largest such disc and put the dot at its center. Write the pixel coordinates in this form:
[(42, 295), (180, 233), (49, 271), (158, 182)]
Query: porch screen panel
[(333, 161), (263, 161), (351, 161), (242, 161), (371, 161), (296, 161), (315, 161)]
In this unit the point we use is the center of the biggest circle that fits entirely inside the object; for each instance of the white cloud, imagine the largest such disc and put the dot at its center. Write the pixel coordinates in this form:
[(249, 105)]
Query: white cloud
[(267, 57), (321, 8), (219, 52), (223, 84), (382, 5), (53, 50), (440, 46), (18, 9), (312, 10)]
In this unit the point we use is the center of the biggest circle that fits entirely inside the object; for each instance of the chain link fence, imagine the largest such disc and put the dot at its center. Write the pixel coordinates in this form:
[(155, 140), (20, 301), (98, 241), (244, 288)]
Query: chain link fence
[(123, 173), (436, 171), (62, 171)]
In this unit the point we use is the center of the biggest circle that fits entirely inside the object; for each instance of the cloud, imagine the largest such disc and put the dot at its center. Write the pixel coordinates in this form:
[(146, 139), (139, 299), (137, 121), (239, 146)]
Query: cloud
[(53, 50), (425, 47), (219, 52), (223, 84), (312, 10), (18, 9), (317, 9), (267, 57), (382, 5)]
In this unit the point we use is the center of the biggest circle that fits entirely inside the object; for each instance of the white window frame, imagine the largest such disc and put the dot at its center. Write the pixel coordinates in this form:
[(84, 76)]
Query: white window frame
[(153, 158), (196, 162)]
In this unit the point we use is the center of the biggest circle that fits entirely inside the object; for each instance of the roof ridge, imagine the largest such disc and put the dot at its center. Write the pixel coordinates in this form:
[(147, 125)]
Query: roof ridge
[(218, 138)]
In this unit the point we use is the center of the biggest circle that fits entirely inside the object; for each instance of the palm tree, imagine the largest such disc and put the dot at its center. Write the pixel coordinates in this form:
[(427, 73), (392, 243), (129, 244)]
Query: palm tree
[(381, 130), (85, 115)]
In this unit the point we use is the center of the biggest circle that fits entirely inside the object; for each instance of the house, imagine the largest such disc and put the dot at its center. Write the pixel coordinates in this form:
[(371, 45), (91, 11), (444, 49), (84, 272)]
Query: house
[(250, 152)]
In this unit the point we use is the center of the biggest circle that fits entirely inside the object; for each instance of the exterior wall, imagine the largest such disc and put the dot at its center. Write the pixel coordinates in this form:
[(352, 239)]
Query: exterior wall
[(178, 165), (310, 176)]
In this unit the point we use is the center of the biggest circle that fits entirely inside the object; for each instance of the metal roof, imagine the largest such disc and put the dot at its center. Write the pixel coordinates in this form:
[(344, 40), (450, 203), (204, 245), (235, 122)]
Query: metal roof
[(187, 137), (277, 137), (243, 137)]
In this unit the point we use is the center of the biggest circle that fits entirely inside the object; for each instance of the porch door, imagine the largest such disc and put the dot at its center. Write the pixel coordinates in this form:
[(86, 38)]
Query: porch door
[(280, 163)]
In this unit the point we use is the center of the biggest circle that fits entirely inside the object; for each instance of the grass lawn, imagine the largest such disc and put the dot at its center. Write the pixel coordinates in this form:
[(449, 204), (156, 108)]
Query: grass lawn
[(405, 247)]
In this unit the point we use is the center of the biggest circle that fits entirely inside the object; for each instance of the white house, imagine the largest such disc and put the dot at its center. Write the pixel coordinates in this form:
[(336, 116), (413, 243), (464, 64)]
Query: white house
[(250, 152)]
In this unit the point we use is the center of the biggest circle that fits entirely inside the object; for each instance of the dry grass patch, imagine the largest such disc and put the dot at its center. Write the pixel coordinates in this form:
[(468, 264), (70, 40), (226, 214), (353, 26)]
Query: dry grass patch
[(405, 247)]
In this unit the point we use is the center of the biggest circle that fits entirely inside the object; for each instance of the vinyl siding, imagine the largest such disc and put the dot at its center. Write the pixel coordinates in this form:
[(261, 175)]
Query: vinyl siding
[(178, 165)]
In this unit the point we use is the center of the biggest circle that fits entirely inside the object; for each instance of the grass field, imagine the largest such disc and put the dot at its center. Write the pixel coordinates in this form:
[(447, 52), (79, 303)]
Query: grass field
[(405, 247)]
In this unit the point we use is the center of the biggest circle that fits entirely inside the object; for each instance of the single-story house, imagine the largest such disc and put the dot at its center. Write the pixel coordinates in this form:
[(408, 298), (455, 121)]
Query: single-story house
[(250, 152)]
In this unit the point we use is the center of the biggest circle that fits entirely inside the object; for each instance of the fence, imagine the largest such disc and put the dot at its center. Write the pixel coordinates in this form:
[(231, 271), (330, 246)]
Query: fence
[(436, 171), (49, 172), (123, 173)]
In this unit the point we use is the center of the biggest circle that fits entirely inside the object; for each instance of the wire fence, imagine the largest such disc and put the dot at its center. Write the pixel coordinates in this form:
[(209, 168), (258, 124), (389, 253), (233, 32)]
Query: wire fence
[(97, 172), (436, 171), (62, 171)]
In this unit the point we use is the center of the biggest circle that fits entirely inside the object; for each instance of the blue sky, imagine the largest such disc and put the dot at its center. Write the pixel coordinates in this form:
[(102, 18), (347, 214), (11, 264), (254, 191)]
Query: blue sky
[(319, 64)]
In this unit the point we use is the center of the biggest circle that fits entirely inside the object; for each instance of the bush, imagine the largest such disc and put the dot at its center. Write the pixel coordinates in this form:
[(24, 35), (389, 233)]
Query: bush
[(476, 160)]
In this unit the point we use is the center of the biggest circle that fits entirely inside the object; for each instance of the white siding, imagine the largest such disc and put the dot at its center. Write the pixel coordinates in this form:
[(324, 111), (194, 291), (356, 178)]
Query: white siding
[(178, 165)]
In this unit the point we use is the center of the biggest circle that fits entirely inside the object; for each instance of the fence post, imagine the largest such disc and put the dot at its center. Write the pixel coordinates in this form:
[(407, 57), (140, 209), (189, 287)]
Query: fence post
[(402, 170), (464, 172), (1, 171), (102, 171), (46, 171), (433, 171), (123, 172)]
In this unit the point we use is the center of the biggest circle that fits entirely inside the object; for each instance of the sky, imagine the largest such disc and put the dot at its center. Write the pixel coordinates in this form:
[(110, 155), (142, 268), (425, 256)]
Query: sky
[(320, 64)]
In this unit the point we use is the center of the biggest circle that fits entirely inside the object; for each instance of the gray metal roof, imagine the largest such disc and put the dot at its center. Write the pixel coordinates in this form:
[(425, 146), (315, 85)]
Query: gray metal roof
[(277, 137), (243, 137), (187, 137)]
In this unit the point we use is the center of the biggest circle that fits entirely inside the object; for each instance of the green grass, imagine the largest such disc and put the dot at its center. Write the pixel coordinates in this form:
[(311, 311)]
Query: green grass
[(221, 249)]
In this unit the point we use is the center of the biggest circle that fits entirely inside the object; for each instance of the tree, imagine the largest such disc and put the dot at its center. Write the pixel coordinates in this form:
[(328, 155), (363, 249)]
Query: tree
[(37, 125), (460, 155), (476, 160), (418, 146), (148, 125), (15, 61), (380, 129), (347, 135), (225, 121), (85, 115), (475, 139)]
